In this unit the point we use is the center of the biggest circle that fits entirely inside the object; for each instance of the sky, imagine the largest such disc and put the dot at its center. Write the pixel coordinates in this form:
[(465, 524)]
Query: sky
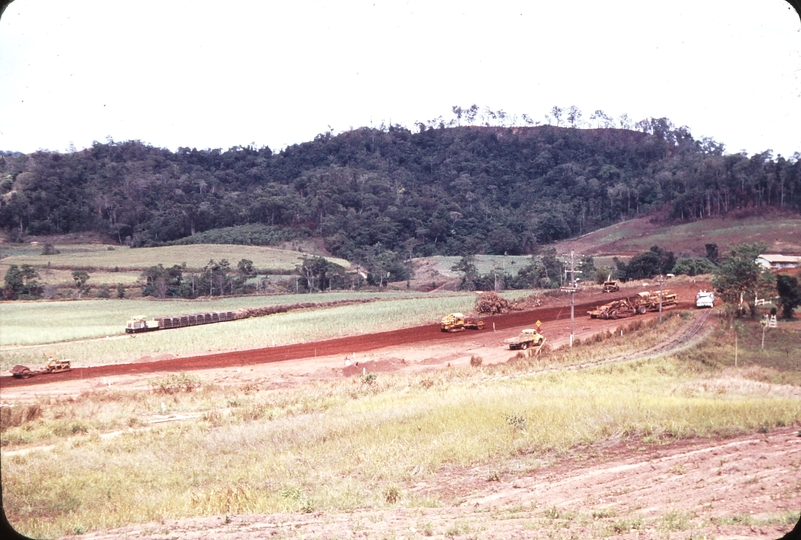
[(209, 74)]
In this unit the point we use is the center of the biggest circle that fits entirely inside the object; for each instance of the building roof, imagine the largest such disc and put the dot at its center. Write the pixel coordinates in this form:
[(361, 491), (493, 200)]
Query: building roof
[(773, 258)]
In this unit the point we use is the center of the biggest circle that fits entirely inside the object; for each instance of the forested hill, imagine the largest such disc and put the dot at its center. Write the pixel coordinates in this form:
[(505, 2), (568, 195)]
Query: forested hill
[(442, 190)]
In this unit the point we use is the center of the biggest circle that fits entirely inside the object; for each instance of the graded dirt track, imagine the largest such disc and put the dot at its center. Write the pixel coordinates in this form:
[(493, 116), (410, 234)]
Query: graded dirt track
[(554, 318)]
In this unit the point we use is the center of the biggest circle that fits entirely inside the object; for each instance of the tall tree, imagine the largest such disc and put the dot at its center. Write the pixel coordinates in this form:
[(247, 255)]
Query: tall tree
[(21, 282), (739, 277), (789, 294)]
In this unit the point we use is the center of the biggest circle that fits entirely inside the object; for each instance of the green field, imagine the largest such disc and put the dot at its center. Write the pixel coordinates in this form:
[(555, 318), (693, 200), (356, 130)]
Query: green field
[(484, 263), (104, 257), (32, 331)]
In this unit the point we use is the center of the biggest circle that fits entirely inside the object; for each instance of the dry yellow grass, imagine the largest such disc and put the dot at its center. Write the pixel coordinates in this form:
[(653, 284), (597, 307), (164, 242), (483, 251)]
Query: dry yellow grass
[(347, 444)]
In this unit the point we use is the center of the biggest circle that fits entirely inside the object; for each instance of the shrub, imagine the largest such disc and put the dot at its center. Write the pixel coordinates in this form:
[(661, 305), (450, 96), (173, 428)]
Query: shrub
[(476, 361), (16, 415), (175, 383), (392, 494)]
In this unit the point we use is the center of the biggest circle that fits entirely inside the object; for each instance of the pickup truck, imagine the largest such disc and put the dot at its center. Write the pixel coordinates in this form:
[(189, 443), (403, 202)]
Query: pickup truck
[(527, 338)]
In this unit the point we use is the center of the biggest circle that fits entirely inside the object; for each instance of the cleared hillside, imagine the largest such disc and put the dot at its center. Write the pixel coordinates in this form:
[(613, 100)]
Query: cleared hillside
[(781, 232)]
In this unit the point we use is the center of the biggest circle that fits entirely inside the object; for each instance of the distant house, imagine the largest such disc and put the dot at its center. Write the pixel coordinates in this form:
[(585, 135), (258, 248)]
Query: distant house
[(778, 262)]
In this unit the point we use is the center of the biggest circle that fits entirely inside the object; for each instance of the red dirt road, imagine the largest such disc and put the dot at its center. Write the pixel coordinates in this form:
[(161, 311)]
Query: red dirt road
[(552, 318)]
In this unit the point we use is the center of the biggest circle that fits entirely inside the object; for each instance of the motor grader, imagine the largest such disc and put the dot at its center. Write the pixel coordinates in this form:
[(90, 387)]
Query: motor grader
[(614, 310), (457, 322), (650, 300), (637, 305), (53, 365)]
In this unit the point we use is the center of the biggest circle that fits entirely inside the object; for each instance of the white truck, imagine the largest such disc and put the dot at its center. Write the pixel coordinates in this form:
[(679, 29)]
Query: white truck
[(705, 299)]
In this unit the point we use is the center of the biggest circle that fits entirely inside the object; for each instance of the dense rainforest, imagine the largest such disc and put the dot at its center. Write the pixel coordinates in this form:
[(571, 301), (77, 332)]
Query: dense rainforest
[(370, 192)]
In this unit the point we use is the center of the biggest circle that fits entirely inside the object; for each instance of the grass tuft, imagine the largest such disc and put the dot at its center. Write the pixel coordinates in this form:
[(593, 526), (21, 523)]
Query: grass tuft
[(175, 382)]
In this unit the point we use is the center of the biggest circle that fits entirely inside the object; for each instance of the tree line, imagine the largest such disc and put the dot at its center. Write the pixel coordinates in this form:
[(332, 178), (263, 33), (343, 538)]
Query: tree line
[(475, 183)]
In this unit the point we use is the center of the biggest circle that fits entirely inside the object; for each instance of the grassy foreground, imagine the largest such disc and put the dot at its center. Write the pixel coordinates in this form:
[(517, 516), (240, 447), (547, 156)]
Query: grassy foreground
[(363, 442)]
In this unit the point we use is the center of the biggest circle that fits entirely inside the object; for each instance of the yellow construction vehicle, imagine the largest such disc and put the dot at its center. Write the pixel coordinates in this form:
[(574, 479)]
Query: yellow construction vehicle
[(456, 322), (530, 337), (54, 365)]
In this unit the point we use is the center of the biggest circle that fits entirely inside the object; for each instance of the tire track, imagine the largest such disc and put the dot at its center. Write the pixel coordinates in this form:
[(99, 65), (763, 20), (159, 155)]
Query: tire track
[(673, 344)]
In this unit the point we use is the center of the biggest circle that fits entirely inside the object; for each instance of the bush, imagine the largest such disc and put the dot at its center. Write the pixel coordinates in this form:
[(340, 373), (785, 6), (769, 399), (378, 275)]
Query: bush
[(175, 383), (694, 267), (16, 415), (50, 249)]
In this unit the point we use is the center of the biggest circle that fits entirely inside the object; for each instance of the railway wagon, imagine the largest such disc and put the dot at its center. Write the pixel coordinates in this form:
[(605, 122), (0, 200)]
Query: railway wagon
[(141, 324)]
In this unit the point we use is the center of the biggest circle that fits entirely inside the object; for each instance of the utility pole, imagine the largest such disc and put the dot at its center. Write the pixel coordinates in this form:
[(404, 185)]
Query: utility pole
[(661, 280), (571, 288)]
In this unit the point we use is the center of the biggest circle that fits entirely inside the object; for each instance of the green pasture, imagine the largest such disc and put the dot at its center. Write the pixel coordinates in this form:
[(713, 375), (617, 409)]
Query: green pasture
[(92, 331), (63, 278), (196, 256), (484, 263)]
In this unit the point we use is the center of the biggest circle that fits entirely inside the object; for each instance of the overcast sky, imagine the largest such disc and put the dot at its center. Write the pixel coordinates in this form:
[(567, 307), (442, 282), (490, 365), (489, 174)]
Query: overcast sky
[(211, 74)]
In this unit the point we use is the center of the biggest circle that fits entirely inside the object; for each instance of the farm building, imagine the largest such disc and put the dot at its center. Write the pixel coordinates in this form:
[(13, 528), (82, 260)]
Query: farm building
[(779, 262)]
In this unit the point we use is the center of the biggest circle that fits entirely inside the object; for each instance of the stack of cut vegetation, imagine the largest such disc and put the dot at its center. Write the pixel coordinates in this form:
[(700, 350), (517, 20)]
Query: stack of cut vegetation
[(529, 302), (245, 313), (490, 302)]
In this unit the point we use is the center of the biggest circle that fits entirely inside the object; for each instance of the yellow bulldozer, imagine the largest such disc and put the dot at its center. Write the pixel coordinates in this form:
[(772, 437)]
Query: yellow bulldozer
[(54, 365), (456, 322)]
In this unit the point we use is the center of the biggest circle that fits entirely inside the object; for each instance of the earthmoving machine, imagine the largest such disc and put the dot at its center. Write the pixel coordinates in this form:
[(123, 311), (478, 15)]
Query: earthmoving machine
[(53, 365), (650, 300), (456, 322), (610, 285), (614, 310), (640, 304), (530, 337)]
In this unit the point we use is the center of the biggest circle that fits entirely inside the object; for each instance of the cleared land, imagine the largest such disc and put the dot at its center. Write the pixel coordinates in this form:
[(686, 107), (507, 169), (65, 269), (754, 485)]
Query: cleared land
[(92, 332), (781, 232), (356, 421), (412, 441)]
